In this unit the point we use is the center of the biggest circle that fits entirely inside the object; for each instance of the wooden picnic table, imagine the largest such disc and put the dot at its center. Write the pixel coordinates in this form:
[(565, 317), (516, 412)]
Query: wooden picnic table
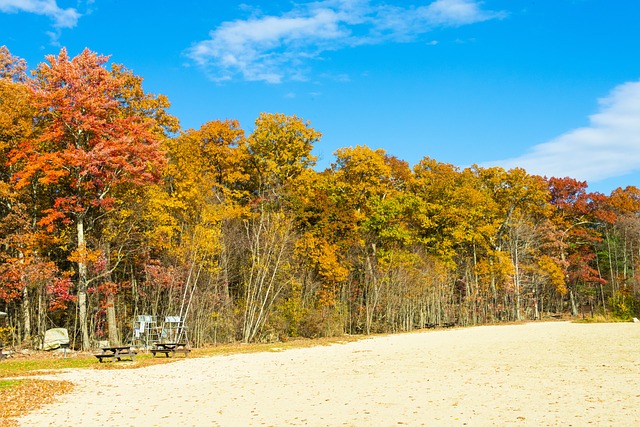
[(116, 353), (170, 348)]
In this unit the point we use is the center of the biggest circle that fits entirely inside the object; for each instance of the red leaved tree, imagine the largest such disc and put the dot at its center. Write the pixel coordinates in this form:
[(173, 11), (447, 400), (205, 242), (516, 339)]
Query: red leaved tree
[(89, 144)]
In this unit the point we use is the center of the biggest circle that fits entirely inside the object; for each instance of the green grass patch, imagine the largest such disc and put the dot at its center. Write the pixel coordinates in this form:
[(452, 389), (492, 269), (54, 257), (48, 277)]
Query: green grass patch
[(599, 318), (24, 367), (7, 384)]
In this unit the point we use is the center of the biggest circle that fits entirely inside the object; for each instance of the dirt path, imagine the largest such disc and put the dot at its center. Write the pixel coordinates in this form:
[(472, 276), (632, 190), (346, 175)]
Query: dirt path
[(537, 374)]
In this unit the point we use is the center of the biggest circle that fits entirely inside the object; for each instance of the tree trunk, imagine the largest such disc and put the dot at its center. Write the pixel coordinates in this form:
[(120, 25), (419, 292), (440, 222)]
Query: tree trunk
[(574, 309), (82, 284), (114, 336), (517, 285), (26, 314), (112, 324), (42, 315)]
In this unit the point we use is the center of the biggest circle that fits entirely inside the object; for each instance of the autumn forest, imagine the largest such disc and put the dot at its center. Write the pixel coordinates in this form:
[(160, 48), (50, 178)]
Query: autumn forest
[(109, 210)]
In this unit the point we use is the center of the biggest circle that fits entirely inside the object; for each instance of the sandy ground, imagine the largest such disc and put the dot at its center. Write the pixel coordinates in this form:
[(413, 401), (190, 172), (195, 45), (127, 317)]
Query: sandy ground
[(536, 374)]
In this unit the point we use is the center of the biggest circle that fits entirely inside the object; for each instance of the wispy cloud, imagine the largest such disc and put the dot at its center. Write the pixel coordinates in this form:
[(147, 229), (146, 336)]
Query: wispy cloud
[(277, 48), (62, 18), (608, 147), (455, 12)]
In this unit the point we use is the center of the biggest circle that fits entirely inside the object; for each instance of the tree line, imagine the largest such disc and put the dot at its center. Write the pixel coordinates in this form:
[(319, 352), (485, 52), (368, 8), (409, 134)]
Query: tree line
[(109, 210)]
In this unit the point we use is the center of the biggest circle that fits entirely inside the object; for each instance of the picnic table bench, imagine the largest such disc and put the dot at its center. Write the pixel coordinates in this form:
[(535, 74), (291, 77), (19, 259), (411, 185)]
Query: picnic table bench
[(441, 325), (116, 353), (170, 348)]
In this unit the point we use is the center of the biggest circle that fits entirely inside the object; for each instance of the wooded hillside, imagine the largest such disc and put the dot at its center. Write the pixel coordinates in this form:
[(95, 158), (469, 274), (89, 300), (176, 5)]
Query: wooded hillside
[(109, 210)]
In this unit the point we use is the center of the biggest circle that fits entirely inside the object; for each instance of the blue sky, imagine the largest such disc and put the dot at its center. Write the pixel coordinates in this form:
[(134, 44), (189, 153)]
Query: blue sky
[(549, 85)]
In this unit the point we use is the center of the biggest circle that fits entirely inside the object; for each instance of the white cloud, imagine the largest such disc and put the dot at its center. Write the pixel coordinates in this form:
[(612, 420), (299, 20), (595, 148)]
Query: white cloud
[(63, 18), (251, 46), (607, 148), (456, 12), (275, 48)]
